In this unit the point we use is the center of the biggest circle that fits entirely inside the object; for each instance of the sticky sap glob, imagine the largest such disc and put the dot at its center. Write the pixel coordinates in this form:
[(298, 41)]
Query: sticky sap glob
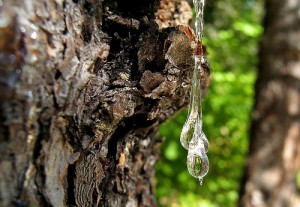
[(192, 137)]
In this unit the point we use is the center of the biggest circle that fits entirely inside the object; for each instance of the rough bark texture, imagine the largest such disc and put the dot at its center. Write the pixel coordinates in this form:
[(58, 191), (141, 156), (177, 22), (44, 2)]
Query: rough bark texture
[(274, 158), (84, 85)]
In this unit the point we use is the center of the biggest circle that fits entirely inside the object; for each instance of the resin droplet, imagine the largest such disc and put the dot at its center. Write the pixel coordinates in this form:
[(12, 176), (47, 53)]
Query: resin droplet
[(188, 131), (192, 137), (201, 181), (197, 160), (205, 141), (197, 163)]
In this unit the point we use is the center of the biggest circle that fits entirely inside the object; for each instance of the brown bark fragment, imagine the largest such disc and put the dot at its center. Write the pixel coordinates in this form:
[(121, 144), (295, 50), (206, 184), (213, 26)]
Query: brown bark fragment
[(173, 13), (150, 81)]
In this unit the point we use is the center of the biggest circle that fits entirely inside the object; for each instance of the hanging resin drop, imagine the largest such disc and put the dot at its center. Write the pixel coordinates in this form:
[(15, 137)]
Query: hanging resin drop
[(188, 131), (194, 120), (197, 163), (197, 160), (198, 138), (205, 141), (192, 137)]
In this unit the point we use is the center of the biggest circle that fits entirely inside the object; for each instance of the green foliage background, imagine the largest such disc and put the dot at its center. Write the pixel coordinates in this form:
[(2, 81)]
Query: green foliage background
[(232, 32)]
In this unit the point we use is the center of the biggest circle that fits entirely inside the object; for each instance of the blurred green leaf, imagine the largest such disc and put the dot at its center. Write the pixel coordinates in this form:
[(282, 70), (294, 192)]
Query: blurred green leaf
[(171, 151), (247, 28)]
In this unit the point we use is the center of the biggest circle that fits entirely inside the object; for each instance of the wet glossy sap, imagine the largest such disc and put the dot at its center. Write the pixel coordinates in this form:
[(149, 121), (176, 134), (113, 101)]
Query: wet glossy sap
[(192, 137)]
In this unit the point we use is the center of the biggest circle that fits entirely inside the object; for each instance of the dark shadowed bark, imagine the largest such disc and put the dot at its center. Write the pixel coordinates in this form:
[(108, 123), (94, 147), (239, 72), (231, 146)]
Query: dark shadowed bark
[(274, 157), (84, 85)]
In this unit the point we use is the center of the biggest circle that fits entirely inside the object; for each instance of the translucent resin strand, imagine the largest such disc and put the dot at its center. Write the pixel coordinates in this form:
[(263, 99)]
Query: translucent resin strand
[(192, 138)]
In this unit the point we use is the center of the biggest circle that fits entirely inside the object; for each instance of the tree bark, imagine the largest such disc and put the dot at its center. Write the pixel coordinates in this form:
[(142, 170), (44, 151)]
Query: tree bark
[(274, 154), (84, 85)]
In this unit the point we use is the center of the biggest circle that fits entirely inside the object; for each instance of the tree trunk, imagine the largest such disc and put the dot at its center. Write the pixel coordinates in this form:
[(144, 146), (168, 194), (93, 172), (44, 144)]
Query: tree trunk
[(274, 154), (84, 85)]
